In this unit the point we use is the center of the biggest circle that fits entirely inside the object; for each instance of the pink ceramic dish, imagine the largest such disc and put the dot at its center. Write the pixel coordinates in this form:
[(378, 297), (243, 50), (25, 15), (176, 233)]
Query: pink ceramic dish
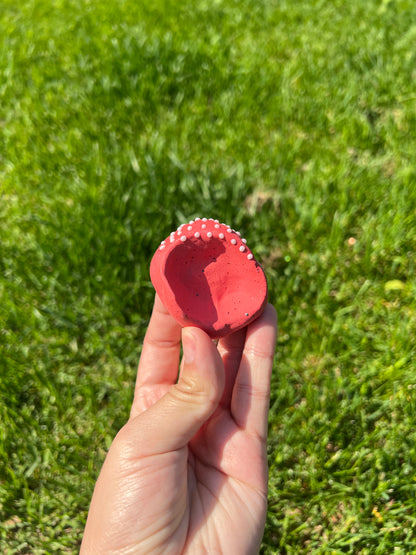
[(206, 276)]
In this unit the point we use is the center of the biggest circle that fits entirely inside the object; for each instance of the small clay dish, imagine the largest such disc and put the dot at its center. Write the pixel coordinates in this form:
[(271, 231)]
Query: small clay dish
[(206, 276)]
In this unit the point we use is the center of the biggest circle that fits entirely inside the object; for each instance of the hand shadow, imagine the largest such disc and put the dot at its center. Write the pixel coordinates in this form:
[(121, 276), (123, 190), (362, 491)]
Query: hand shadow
[(194, 276)]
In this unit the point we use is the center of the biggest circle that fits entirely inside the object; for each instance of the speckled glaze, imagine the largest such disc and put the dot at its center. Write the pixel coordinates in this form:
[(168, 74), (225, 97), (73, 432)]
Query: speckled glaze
[(206, 276)]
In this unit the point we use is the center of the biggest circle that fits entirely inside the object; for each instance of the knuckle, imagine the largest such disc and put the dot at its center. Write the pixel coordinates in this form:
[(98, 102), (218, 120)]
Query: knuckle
[(253, 352), (194, 391), (162, 342), (255, 393)]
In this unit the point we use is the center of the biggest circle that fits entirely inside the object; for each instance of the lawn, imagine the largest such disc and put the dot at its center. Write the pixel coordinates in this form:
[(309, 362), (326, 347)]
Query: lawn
[(294, 122)]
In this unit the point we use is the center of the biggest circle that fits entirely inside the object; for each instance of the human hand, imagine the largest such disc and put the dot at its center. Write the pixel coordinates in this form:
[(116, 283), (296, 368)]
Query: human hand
[(188, 472)]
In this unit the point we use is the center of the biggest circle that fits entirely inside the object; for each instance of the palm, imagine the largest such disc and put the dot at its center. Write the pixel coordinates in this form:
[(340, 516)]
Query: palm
[(213, 502), (217, 495), (227, 492)]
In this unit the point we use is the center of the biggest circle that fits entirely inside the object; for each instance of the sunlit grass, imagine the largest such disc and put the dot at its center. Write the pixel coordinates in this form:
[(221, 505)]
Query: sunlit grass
[(292, 121)]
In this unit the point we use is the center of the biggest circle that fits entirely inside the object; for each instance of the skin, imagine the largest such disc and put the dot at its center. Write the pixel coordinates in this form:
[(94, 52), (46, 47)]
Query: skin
[(188, 472)]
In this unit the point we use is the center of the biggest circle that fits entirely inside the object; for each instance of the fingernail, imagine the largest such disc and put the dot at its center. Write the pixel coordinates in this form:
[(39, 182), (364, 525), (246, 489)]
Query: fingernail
[(188, 346)]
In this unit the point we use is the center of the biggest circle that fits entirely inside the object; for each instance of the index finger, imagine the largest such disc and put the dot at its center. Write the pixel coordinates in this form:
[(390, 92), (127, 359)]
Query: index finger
[(159, 360)]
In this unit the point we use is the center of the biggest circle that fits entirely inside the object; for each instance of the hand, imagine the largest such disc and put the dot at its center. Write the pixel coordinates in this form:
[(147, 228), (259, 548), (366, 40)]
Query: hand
[(188, 472)]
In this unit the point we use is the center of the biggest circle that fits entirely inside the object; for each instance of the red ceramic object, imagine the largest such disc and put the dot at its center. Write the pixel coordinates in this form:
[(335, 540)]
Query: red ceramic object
[(206, 276)]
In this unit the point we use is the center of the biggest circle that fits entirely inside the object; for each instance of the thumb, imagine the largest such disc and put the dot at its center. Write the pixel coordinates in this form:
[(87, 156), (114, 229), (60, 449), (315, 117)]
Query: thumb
[(172, 422)]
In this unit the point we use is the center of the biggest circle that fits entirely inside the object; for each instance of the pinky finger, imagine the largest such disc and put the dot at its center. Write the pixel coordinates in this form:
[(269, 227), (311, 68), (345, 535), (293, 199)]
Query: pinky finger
[(251, 393)]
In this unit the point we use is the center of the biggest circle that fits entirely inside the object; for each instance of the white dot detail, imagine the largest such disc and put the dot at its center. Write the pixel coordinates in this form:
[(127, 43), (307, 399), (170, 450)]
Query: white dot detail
[(210, 228)]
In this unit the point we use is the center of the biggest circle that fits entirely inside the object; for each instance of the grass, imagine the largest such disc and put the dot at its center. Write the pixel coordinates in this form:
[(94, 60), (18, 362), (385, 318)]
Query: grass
[(292, 121)]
